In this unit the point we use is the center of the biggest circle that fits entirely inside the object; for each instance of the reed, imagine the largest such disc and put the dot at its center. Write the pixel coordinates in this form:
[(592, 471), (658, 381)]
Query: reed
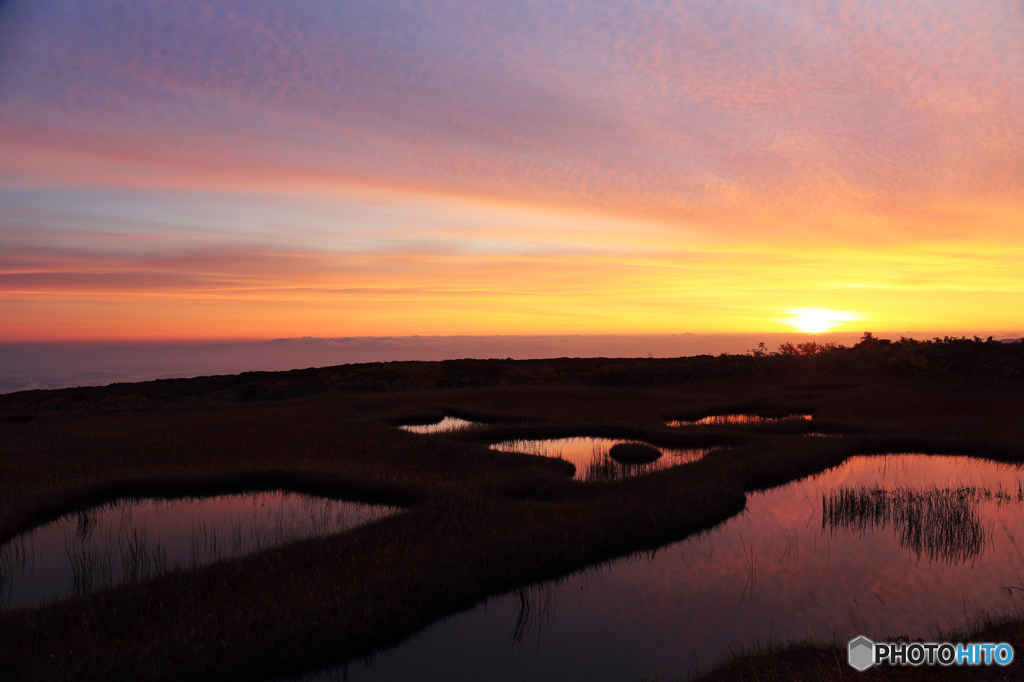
[(939, 524), (110, 544), (605, 469)]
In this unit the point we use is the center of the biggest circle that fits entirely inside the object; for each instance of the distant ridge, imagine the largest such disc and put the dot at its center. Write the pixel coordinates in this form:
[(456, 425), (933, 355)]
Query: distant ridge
[(61, 365)]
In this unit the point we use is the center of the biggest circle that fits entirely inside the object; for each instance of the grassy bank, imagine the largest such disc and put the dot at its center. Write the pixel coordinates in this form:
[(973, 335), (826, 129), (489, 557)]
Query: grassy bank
[(475, 522), (818, 662)]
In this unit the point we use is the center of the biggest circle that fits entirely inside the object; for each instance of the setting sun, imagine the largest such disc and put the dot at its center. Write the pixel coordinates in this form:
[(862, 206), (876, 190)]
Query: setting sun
[(816, 320)]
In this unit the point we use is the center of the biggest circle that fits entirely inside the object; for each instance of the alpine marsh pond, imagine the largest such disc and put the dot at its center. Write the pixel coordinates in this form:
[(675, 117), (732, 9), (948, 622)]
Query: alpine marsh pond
[(133, 539), (760, 533), (894, 545), (595, 458)]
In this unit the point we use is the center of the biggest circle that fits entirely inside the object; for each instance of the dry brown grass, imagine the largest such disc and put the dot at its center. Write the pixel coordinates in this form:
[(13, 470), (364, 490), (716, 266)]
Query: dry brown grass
[(477, 521), (817, 662)]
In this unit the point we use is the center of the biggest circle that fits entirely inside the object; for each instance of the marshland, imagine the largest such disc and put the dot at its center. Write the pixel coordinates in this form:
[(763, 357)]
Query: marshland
[(801, 499)]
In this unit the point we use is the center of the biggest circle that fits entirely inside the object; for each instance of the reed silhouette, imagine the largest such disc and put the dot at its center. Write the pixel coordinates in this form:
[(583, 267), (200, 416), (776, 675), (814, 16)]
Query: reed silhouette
[(114, 543), (603, 468), (938, 524)]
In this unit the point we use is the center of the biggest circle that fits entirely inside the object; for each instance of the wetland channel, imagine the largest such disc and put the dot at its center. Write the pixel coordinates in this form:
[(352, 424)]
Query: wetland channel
[(880, 546)]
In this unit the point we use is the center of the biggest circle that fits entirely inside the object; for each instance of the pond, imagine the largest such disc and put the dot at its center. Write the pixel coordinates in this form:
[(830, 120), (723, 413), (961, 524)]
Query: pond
[(879, 546), (593, 458), (444, 426), (723, 419), (134, 539)]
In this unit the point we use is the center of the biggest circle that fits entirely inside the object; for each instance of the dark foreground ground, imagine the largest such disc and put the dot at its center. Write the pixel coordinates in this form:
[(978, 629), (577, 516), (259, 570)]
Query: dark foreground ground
[(477, 522)]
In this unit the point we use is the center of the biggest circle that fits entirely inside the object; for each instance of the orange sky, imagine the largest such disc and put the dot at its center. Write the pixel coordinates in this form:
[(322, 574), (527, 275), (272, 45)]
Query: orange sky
[(176, 171)]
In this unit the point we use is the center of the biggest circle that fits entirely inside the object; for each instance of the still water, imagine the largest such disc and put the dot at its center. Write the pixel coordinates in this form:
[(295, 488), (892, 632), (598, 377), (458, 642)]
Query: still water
[(591, 458), (133, 539), (444, 426), (722, 419), (878, 546)]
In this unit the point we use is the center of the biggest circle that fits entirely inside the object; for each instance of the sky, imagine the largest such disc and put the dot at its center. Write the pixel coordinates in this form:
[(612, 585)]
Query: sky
[(259, 170)]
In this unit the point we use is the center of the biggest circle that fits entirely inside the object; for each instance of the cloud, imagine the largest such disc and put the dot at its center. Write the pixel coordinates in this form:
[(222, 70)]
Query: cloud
[(691, 109), (109, 264), (499, 166)]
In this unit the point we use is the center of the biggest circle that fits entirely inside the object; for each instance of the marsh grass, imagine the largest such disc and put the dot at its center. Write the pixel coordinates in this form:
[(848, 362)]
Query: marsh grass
[(940, 524), (477, 522), (602, 467), (13, 560), (729, 419), (598, 464), (113, 543), (632, 452), (446, 425), (814, 661)]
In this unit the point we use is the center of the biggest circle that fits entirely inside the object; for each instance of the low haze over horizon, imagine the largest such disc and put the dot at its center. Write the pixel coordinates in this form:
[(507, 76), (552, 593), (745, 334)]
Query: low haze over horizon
[(60, 365), (175, 171)]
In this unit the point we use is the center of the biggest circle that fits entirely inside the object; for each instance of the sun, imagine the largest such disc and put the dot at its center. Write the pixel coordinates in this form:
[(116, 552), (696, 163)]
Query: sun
[(818, 320)]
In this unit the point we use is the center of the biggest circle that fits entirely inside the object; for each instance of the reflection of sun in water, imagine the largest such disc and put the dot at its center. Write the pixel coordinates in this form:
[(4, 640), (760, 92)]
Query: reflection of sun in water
[(817, 320)]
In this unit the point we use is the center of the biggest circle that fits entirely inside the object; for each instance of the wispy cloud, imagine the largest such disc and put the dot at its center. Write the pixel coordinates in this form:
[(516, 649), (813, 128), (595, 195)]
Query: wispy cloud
[(509, 166)]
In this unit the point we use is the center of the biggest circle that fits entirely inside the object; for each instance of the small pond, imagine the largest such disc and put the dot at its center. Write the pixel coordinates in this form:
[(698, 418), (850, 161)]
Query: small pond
[(444, 426), (133, 539), (723, 419), (878, 546), (592, 459)]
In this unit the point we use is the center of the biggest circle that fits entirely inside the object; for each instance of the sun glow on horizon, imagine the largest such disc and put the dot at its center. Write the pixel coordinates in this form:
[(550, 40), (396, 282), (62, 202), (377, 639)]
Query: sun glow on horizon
[(818, 320)]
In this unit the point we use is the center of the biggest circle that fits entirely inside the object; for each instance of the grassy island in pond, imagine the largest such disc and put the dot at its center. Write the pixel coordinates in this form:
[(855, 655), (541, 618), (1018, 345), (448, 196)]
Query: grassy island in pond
[(467, 522)]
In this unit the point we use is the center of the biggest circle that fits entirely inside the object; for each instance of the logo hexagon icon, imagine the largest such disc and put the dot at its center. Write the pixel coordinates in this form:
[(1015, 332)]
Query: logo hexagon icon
[(862, 653)]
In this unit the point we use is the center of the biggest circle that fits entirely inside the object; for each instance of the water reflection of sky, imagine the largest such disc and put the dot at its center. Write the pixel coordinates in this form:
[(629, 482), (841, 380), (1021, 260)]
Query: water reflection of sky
[(723, 419), (591, 458), (135, 539), (443, 426), (772, 571)]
